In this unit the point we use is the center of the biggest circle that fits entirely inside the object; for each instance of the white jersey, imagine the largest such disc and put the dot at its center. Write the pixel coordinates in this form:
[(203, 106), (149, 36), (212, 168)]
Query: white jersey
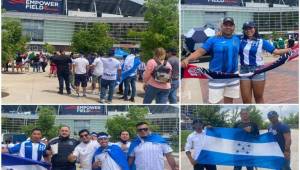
[(195, 141), (128, 63), (110, 68), (150, 156), (107, 163), (98, 67), (80, 65), (120, 145), (84, 153), (34, 152)]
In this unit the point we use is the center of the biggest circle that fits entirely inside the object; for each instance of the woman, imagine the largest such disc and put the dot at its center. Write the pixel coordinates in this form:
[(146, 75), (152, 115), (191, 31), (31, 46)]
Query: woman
[(251, 49), (157, 78)]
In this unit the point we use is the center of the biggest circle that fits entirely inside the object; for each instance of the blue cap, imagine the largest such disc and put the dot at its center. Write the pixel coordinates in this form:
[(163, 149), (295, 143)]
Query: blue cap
[(272, 114), (102, 135), (249, 24)]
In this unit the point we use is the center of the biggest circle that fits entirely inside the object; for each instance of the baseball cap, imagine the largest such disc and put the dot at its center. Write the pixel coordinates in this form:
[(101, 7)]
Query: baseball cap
[(272, 114), (197, 121), (228, 19), (102, 135), (94, 134), (249, 24)]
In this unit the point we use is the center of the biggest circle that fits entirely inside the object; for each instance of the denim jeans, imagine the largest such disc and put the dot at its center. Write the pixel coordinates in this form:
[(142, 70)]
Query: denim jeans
[(207, 167), (173, 92), (160, 95), (286, 165), (130, 82), (63, 77), (240, 167), (110, 85), (36, 66)]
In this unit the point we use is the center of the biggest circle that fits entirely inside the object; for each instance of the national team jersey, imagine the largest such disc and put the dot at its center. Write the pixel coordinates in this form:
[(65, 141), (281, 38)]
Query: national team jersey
[(224, 52), (251, 51)]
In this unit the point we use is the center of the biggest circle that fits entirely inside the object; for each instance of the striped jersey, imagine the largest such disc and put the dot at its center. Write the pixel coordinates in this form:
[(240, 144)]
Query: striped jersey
[(251, 51), (34, 151), (150, 156)]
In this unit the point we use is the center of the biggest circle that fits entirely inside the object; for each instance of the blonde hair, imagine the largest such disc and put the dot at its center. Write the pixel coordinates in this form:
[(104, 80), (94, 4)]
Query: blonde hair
[(160, 53)]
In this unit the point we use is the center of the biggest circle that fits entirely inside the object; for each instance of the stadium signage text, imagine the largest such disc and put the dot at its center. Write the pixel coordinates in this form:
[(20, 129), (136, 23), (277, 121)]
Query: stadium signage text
[(34, 6), (88, 109), (213, 2)]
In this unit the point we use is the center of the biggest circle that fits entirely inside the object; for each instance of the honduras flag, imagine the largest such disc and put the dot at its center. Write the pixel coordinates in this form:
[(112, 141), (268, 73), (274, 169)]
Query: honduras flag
[(129, 67), (235, 147), (120, 53), (12, 162)]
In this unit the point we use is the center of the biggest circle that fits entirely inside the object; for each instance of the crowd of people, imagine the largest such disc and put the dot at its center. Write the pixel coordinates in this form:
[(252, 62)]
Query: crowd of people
[(160, 75), (281, 132), (94, 150), (226, 50)]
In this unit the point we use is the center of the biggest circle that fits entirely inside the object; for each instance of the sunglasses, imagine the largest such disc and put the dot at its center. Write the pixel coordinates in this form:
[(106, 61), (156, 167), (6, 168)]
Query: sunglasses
[(84, 135), (143, 129)]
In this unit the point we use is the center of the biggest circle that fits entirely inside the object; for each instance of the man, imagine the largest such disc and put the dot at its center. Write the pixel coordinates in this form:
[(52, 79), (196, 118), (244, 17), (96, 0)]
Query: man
[(97, 67), (148, 149), (32, 149), (60, 148), (80, 69), (63, 64), (124, 142), (249, 127), (196, 141), (282, 134), (111, 71), (84, 152), (224, 50), (109, 156), (174, 61), (130, 81)]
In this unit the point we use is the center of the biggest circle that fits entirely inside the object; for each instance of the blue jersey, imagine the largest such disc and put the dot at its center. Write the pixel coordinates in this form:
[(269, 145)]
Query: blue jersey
[(224, 52), (251, 51), (278, 131)]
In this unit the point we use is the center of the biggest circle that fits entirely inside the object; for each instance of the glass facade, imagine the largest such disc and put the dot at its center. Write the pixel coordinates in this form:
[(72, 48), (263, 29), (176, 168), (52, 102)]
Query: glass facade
[(33, 29), (281, 20)]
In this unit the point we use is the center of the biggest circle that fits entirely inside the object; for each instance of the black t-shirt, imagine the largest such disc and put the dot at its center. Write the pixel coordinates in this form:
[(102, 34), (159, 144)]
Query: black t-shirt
[(254, 127), (62, 63), (19, 59), (65, 147)]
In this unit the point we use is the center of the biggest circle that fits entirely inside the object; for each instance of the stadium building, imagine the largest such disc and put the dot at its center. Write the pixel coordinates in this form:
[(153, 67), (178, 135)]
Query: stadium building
[(281, 16), (91, 117), (55, 21)]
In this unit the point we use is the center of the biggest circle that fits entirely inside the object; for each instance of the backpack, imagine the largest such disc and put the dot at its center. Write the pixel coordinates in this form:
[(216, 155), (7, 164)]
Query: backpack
[(161, 72)]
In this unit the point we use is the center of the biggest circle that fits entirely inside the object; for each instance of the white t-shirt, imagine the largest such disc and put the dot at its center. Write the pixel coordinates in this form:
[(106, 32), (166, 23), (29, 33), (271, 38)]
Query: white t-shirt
[(98, 67), (107, 163), (35, 147), (110, 68), (80, 65), (195, 141), (120, 145), (150, 156), (84, 153)]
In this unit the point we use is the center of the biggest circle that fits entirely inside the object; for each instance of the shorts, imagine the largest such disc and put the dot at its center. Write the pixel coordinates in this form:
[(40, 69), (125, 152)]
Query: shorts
[(81, 78), (246, 69), (215, 95), (95, 79)]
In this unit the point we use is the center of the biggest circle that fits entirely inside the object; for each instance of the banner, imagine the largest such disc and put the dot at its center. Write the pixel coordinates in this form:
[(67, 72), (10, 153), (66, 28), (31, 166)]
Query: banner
[(213, 2), (82, 110), (34, 6)]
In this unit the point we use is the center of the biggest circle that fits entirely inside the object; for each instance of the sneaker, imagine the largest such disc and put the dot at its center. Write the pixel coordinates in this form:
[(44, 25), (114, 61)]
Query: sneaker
[(102, 101), (60, 92), (108, 101), (69, 92), (131, 99)]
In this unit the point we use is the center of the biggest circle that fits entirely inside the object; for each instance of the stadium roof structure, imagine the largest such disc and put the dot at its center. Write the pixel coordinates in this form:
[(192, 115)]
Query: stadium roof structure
[(126, 8)]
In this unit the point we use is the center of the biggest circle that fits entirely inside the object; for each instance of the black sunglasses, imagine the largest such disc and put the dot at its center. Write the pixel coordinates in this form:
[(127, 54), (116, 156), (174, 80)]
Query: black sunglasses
[(85, 135), (143, 129)]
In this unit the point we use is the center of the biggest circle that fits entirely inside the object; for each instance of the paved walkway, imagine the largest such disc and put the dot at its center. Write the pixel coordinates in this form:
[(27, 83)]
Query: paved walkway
[(281, 86), (38, 88)]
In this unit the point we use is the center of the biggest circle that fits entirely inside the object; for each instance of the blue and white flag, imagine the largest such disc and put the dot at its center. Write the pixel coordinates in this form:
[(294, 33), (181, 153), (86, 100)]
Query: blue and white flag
[(12, 162), (235, 147), (129, 71), (120, 53)]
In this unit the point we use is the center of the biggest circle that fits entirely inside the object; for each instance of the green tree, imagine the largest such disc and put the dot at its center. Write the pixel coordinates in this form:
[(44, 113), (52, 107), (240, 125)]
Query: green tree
[(49, 48), (162, 30), (211, 114), (45, 122), (127, 122), (255, 115), (94, 39), (12, 39), (292, 120)]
